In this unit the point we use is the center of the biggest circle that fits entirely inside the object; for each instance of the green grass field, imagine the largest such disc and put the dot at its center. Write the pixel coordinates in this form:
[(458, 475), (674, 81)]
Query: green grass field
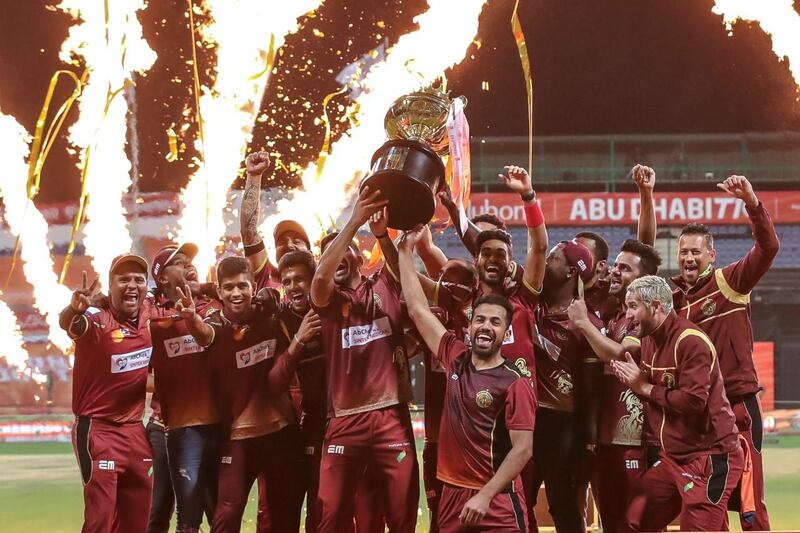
[(40, 489)]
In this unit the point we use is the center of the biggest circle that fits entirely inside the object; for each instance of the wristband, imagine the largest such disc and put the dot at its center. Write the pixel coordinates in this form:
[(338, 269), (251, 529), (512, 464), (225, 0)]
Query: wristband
[(253, 249), (381, 236), (528, 197), (298, 341), (533, 215)]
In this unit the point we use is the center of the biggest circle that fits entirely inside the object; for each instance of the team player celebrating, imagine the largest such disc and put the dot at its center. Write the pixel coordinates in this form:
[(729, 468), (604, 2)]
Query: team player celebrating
[(263, 436), (182, 375), (486, 435), (112, 353), (718, 301), (620, 456), (680, 382), (369, 423)]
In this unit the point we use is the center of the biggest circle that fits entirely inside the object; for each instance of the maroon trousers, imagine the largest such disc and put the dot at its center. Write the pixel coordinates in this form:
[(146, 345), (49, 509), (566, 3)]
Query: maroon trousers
[(380, 442), (278, 457), (116, 465), (616, 469), (748, 420), (698, 491), (506, 511)]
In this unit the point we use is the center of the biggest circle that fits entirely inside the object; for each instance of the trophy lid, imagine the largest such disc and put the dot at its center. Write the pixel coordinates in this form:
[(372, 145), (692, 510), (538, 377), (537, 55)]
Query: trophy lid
[(420, 116)]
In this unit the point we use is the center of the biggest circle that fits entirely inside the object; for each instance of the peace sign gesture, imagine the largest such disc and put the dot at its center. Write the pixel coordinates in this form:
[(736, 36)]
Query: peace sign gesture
[(81, 297), (185, 304)]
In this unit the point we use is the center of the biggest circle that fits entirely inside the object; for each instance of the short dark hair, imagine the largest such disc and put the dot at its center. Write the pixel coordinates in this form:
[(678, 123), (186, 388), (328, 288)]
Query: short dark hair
[(600, 245), (649, 256), (493, 235), (232, 266), (695, 228), (298, 258), (327, 239), (490, 218), (496, 299)]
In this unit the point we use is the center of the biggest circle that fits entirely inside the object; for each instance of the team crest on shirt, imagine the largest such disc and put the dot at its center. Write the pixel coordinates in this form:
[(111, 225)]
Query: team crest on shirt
[(562, 335), (118, 335), (239, 334), (522, 366), (484, 399), (346, 310), (668, 380), (563, 382), (709, 306)]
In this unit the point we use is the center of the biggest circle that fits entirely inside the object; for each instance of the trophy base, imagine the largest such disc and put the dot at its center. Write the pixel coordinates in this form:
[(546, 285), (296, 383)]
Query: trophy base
[(408, 174)]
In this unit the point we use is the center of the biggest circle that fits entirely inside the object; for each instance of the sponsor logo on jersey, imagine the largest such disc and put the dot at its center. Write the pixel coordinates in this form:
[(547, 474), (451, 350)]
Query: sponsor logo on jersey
[(106, 465), (632, 464), (255, 354), (177, 346), (338, 449), (127, 362), (361, 335), (226, 459)]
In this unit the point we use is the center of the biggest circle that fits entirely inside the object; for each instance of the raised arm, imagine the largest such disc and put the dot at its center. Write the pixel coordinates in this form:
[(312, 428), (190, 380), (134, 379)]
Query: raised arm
[(71, 318), (432, 256), (645, 179), (378, 225), (203, 333), (322, 285), (428, 326), (518, 180), (746, 273), (470, 236), (606, 349), (255, 252), (280, 375)]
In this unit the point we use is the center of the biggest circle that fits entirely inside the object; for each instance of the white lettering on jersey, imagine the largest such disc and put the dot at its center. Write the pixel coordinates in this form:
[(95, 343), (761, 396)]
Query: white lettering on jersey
[(177, 346), (360, 335), (255, 354), (336, 448), (106, 465), (126, 362)]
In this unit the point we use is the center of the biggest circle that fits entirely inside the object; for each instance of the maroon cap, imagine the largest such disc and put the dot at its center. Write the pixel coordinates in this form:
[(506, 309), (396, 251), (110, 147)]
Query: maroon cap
[(123, 259), (166, 254), (580, 257)]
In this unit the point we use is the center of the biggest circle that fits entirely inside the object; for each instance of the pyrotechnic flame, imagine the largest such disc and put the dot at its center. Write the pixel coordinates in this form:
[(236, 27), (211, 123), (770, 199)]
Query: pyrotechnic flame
[(242, 31), (25, 221), (776, 17), (113, 48), (11, 338), (444, 33)]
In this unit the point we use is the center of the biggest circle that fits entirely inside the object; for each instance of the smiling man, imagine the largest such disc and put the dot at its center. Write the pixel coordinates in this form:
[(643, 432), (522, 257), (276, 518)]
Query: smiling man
[(718, 301), (486, 435), (680, 382), (112, 353)]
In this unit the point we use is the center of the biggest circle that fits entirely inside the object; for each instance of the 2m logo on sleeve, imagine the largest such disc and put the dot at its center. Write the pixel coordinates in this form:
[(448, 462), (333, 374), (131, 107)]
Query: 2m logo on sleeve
[(177, 346), (127, 362), (255, 354), (361, 335)]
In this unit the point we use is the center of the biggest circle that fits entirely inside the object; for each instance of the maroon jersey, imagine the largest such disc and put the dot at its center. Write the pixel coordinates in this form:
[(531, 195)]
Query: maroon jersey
[(481, 407), (519, 339), (310, 370), (182, 369), (265, 277), (720, 304), (364, 345), (109, 379), (241, 356), (435, 376), (621, 411), (560, 346), (687, 409)]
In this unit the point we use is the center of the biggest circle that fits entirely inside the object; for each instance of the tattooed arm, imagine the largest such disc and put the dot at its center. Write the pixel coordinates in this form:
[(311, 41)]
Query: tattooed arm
[(254, 250)]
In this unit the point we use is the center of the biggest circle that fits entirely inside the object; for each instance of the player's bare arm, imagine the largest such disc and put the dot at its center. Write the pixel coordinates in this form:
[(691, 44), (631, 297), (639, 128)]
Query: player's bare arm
[(70, 317), (519, 181), (322, 285), (378, 225), (429, 327), (521, 452), (431, 255), (645, 179), (202, 332), (256, 164), (470, 237), (606, 349)]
